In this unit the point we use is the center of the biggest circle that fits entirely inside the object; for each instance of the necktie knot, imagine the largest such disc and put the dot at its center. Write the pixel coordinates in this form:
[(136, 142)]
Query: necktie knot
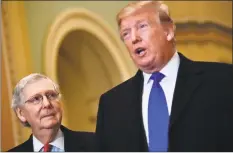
[(47, 147), (157, 77)]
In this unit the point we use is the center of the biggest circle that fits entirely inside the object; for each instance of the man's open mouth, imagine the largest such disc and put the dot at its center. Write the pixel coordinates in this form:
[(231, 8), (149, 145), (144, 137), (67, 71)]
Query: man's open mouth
[(140, 51)]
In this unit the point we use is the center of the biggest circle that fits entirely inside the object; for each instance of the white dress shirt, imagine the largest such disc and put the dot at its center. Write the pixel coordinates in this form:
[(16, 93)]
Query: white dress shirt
[(58, 142), (168, 84)]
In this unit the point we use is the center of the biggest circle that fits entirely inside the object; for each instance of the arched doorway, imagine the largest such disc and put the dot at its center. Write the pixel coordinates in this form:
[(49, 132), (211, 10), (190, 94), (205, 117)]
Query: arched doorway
[(84, 56), (85, 70)]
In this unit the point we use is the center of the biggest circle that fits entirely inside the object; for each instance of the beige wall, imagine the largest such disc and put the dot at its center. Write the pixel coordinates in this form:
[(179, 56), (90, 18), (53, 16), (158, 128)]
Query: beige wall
[(40, 14)]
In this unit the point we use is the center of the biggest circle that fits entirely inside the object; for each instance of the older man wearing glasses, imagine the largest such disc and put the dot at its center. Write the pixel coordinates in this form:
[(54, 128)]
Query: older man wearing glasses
[(37, 103)]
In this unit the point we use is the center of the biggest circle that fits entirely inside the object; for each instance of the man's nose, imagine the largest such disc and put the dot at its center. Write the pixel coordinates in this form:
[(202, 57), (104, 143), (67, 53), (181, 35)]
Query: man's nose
[(135, 37), (46, 102)]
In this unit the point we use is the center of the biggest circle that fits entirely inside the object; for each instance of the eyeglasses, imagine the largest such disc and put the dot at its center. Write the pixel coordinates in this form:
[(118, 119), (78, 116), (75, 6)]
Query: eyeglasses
[(38, 98)]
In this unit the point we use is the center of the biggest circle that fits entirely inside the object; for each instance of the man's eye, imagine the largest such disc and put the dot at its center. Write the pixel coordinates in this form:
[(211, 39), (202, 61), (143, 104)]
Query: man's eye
[(52, 95), (142, 25), (125, 34), (35, 99)]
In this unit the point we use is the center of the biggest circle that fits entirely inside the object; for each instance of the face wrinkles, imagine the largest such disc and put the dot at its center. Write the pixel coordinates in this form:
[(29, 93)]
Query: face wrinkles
[(46, 114), (146, 43)]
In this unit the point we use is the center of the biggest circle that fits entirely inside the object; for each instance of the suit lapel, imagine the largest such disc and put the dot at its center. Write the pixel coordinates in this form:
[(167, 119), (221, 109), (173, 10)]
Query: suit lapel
[(136, 104), (136, 90), (188, 80), (69, 141), (28, 145)]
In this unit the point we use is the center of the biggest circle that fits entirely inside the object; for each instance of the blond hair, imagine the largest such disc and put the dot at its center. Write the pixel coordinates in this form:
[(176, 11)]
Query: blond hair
[(157, 6)]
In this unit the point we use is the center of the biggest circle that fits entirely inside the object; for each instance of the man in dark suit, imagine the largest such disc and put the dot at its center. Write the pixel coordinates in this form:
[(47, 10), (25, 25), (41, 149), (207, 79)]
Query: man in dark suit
[(172, 103), (37, 103)]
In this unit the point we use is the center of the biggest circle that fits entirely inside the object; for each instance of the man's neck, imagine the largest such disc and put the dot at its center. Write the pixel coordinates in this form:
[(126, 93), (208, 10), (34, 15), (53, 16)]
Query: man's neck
[(45, 135), (157, 68)]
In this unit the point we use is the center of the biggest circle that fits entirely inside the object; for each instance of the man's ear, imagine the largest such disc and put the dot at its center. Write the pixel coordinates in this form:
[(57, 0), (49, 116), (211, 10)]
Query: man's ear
[(170, 32), (20, 115)]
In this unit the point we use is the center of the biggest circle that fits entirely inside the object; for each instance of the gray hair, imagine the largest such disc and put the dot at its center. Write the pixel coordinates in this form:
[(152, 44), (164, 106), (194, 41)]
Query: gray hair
[(17, 98)]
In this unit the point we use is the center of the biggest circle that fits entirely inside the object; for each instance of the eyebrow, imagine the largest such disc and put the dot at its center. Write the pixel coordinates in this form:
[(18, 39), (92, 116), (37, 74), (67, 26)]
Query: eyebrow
[(140, 21), (137, 22)]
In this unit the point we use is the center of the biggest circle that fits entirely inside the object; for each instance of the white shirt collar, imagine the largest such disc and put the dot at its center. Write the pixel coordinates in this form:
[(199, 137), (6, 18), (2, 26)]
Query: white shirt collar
[(58, 142), (169, 70)]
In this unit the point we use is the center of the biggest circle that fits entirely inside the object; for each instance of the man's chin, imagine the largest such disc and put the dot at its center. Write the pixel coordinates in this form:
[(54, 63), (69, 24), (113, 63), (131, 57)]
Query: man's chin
[(146, 66), (50, 125)]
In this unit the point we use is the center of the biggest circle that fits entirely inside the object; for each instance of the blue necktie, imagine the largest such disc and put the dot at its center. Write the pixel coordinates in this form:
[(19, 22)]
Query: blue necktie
[(158, 117)]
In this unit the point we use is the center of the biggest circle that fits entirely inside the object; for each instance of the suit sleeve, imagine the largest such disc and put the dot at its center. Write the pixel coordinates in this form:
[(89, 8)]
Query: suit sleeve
[(227, 115), (100, 126)]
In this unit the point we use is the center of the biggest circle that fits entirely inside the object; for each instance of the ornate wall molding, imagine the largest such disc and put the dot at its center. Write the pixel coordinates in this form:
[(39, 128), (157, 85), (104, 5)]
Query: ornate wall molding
[(203, 32), (83, 19)]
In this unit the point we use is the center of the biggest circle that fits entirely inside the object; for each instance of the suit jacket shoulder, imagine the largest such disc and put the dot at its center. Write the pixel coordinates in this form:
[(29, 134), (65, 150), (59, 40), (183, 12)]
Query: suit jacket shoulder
[(74, 142), (27, 146), (125, 88), (215, 67), (220, 74), (78, 141)]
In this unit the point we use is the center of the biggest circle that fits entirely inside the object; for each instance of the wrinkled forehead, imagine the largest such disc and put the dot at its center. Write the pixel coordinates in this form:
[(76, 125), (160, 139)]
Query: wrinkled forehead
[(38, 86)]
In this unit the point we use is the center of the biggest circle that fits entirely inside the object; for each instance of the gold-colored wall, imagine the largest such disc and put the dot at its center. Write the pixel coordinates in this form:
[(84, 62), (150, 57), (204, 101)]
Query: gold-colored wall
[(216, 11), (7, 138), (41, 14), (207, 51), (16, 63), (202, 46)]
